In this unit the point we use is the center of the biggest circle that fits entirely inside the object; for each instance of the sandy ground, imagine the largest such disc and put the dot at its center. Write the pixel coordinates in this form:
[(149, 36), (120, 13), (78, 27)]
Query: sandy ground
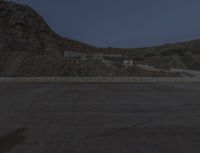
[(99, 118)]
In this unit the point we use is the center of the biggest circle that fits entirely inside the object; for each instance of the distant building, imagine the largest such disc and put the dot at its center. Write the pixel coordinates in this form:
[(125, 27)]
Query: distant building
[(120, 59), (113, 56), (98, 57), (128, 62)]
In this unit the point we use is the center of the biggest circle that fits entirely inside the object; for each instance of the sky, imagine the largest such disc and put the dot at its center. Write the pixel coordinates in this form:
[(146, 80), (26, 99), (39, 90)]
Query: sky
[(122, 23)]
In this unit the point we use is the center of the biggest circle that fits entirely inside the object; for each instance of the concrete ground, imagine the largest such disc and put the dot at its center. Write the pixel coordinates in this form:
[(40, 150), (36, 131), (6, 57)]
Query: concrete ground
[(99, 118)]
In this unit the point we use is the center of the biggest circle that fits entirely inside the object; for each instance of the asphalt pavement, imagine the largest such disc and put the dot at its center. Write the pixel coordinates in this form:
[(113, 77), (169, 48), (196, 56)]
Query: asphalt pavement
[(100, 118)]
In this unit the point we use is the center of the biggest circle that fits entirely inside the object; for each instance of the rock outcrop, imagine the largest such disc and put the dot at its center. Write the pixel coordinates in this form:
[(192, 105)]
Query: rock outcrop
[(27, 45), (22, 29)]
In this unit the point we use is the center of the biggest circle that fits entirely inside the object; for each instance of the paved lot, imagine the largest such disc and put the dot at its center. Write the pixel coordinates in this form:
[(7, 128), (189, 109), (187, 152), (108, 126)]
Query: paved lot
[(99, 118)]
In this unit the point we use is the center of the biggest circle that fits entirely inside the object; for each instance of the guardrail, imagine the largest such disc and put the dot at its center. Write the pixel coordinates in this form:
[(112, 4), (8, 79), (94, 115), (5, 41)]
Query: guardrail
[(99, 79)]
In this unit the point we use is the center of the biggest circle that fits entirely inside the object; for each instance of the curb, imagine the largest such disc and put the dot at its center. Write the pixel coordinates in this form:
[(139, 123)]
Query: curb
[(99, 80)]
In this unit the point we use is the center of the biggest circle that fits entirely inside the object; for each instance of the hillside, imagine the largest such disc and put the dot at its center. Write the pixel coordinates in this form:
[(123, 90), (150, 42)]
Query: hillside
[(29, 47), (22, 29), (185, 55)]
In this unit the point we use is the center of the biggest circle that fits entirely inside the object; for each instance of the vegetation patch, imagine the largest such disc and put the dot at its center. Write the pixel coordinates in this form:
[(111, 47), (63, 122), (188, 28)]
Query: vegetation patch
[(173, 51), (150, 55)]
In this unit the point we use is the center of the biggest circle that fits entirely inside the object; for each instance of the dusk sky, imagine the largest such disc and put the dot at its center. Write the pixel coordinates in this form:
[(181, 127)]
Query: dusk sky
[(122, 23)]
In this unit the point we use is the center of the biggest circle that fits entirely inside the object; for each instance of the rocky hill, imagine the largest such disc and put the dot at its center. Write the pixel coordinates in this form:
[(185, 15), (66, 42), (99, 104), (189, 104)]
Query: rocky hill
[(22, 29), (29, 47)]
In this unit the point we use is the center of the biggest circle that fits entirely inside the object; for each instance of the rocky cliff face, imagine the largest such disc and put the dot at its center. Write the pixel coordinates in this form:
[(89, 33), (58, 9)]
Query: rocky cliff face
[(28, 46), (22, 29)]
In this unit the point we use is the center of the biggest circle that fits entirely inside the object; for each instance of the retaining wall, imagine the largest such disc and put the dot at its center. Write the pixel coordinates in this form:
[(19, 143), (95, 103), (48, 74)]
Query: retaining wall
[(99, 80)]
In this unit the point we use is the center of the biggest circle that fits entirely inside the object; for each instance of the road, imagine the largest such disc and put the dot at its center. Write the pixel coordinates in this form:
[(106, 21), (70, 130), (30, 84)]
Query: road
[(99, 118)]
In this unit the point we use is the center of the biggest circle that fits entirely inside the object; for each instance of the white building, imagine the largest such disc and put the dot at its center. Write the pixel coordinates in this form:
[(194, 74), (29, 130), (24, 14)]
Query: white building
[(128, 62), (98, 57)]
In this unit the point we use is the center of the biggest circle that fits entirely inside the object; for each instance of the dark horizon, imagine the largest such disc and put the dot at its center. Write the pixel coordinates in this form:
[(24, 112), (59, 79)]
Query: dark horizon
[(122, 24)]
